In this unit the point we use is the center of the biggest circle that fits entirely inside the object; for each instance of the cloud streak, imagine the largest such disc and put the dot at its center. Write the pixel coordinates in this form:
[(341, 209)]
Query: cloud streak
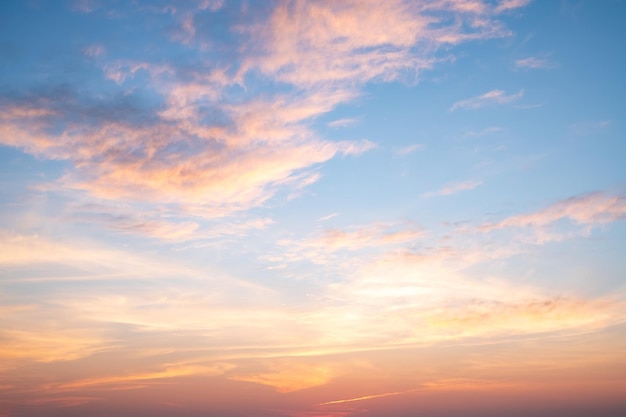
[(454, 188), (532, 63), (588, 209), (489, 98)]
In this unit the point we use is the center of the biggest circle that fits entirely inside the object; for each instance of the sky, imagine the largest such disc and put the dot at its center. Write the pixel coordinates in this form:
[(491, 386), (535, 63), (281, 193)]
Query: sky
[(292, 208)]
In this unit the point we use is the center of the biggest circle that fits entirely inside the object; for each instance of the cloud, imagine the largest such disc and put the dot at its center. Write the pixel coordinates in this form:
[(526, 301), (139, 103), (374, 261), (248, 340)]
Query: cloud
[(532, 63), (328, 217), (314, 43), (408, 149), (200, 148), (484, 132), (20, 249), (170, 371), (212, 5), (390, 297), (47, 342), (321, 248), (94, 51), (31, 256), (489, 98), (334, 239), (288, 375), (506, 5), (454, 188), (85, 6), (161, 230), (588, 209), (230, 169), (590, 127), (343, 122), (369, 397)]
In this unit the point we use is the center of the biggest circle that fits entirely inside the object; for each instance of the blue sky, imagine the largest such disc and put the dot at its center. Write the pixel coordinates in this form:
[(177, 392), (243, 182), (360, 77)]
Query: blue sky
[(316, 206)]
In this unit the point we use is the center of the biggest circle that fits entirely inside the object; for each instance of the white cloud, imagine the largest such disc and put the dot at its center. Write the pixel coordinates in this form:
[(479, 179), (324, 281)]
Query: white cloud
[(405, 150), (94, 51), (533, 63), (343, 122), (511, 4), (489, 98)]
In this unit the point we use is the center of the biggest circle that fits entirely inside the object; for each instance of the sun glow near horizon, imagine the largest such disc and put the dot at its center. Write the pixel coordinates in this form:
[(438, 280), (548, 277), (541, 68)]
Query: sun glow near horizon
[(297, 208)]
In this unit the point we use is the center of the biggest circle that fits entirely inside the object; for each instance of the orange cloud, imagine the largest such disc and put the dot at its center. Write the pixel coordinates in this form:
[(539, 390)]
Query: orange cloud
[(118, 381), (399, 300), (288, 375)]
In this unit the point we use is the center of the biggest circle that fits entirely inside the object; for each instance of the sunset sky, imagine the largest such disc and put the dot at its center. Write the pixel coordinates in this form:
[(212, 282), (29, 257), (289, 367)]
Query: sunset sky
[(324, 208)]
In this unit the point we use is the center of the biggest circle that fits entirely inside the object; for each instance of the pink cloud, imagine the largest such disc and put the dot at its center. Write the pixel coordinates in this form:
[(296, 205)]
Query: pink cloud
[(589, 209), (213, 156), (178, 159), (352, 42), (454, 188)]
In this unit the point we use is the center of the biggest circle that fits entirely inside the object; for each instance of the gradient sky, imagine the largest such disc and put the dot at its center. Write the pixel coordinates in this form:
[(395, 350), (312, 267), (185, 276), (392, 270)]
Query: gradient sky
[(312, 208)]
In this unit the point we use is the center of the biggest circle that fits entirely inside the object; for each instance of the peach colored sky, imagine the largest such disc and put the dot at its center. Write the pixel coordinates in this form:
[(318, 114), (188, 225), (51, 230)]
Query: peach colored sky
[(295, 208)]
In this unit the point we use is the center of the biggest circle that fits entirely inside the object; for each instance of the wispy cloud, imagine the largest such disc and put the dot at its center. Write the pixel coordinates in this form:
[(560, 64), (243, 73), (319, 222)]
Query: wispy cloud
[(94, 51), (583, 213), (405, 150), (590, 127), (288, 375), (370, 397), (490, 98), (592, 208), (324, 247), (328, 217), (343, 122), (85, 6), (483, 132), (443, 302), (505, 5), (212, 5), (306, 55), (533, 63), (454, 188)]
